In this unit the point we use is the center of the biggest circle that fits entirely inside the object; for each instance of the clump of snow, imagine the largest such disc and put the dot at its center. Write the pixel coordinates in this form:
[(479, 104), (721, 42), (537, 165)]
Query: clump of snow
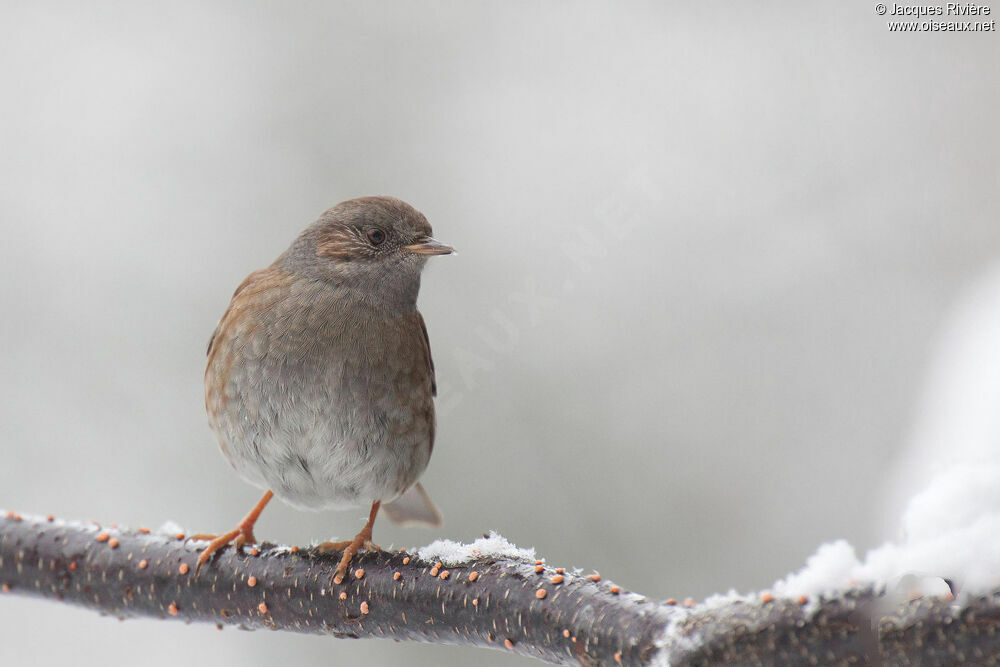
[(676, 637), (828, 570), (722, 600), (170, 528), (455, 553), (957, 419), (673, 637), (950, 528)]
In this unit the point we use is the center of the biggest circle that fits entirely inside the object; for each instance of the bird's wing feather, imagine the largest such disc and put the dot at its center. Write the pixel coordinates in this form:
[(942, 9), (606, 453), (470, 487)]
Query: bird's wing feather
[(249, 280), (427, 350)]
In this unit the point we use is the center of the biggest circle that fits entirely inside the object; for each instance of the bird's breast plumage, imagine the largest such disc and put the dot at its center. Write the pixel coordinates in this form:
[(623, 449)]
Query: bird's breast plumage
[(318, 393)]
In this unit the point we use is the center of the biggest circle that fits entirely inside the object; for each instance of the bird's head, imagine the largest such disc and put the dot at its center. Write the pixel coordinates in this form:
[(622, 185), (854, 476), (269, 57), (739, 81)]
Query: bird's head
[(375, 244)]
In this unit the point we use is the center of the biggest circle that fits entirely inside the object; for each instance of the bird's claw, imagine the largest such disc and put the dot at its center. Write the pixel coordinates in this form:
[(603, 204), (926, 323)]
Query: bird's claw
[(240, 537), (361, 542), (329, 547)]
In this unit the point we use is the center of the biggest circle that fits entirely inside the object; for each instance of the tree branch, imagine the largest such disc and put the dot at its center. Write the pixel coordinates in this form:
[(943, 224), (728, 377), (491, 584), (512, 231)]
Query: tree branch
[(490, 601)]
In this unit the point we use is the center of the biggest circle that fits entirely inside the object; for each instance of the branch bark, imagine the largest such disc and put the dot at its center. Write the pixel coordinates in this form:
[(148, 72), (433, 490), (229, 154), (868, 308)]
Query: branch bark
[(396, 595), (489, 602)]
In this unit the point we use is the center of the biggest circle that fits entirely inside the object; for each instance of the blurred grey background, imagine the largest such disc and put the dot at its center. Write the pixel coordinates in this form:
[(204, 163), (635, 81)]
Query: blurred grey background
[(705, 249)]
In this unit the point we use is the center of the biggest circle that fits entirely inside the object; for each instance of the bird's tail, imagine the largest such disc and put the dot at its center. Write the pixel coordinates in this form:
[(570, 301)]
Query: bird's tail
[(414, 507)]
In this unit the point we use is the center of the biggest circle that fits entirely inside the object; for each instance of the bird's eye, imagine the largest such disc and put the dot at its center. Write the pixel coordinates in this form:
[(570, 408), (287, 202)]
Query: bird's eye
[(375, 236)]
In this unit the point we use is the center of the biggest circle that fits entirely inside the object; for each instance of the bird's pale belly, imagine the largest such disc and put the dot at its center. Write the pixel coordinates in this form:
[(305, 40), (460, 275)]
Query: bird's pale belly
[(322, 435)]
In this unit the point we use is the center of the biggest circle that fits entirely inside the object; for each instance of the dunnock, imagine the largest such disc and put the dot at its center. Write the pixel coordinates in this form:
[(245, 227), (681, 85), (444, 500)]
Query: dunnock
[(320, 382)]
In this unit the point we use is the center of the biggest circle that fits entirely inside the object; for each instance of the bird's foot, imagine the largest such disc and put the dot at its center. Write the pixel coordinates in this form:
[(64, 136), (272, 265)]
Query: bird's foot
[(202, 537), (242, 535), (329, 547), (361, 542), (239, 537)]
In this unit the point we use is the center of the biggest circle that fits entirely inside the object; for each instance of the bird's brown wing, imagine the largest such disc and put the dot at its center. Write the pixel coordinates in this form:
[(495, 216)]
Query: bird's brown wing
[(427, 351), (253, 277), (414, 507)]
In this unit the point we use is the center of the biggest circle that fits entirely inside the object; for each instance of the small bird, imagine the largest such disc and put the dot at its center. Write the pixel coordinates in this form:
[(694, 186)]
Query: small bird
[(320, 384)]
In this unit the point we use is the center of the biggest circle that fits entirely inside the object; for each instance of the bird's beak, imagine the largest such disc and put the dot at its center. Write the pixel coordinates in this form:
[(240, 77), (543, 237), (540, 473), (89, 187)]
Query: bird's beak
[(429, 246)]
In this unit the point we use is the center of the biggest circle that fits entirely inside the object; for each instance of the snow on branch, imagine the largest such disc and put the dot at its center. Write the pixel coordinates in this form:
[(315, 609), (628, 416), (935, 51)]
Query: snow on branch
[(488, 593)]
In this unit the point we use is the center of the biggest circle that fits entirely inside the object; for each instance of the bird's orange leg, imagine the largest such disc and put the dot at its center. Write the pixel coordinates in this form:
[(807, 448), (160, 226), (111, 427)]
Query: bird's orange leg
[(362, 540), (242, 535)]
